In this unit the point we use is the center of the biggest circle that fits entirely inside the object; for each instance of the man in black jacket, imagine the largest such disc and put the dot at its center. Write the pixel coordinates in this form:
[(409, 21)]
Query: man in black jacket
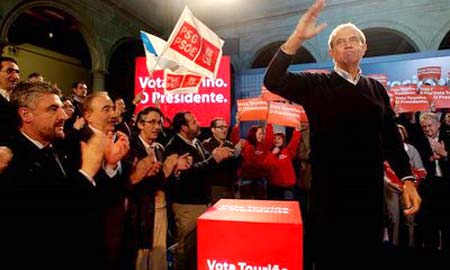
[(191, 189), (49, 214), (9, 77), (434, 220), (149, 201), (352, 133), (224, 177)]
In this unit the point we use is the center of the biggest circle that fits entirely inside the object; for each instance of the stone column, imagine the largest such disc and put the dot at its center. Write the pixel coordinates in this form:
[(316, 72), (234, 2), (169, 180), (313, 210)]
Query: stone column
[(98, 80)]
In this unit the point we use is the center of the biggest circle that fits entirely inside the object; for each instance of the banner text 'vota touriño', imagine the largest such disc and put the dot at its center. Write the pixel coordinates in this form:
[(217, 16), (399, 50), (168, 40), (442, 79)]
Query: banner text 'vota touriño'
[(211, 101)]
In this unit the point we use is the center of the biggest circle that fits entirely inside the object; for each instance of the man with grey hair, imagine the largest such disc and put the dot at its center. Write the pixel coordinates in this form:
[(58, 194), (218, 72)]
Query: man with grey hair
[(48, 208), (352, 133), (434, 150)]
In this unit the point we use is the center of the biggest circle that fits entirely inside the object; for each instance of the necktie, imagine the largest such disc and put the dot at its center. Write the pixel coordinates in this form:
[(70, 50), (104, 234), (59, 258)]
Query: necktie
[(51, 158)]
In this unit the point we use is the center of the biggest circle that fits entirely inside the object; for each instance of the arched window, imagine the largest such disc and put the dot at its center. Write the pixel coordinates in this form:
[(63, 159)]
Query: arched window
[(265, 55)]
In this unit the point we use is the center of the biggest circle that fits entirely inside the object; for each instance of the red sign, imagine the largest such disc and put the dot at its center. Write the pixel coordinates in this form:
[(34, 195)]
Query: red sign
[(409, 89), (433, 72), (211, 101), (269, 96), (250, 234), (251, 109), (412, 103), (441, 96), (285, 114)]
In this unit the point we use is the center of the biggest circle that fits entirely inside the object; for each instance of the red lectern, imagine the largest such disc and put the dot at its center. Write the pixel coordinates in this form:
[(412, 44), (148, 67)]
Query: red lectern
[(251, 234)]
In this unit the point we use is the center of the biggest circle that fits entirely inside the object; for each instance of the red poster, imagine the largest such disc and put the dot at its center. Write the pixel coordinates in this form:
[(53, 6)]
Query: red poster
[(412, 103), (441, 96), (252, 109), (269, 96), (408, 89), (432, 72), (212, 100), (285, 114)]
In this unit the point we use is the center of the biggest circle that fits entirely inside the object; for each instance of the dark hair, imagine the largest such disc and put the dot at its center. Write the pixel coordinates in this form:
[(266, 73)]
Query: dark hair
[(7, 59), (214, 122), (34, 74), (251, 135), (145, 111), (179, 119), (282, 135), (75, 84)]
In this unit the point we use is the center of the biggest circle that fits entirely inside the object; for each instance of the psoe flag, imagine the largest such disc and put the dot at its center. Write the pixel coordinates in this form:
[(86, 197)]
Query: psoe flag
[(181, 83), (153, 47), (194, 46)]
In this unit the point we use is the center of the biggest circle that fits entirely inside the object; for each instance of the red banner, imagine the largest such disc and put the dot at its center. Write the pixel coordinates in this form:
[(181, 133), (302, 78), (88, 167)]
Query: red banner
[(211, 101), (251, 109), (409, 89), (412, 103), (285, 114), (432, 72), (269, 96), (441, 96)]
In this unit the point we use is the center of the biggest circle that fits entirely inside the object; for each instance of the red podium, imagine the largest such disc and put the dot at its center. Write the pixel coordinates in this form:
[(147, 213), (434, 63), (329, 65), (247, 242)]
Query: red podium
[(250, 235)]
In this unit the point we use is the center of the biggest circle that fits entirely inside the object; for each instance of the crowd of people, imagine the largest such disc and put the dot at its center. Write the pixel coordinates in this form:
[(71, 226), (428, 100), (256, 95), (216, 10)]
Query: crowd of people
[(81, 171), (88, 185)]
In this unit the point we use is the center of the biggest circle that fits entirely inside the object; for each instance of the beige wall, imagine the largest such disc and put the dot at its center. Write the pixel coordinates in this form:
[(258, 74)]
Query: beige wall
[(55, 67)]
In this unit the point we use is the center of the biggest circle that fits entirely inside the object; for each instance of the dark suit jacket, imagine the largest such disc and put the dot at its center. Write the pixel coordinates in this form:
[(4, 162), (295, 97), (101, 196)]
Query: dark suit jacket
[(111, 200), (192, 186), (424, 148), (47, 212), (8, 121), (143, 196)]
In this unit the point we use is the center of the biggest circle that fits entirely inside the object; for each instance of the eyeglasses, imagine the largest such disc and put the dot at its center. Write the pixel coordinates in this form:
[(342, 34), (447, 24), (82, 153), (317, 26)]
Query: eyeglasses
[(222, 127), (11, 70), (152, 122)]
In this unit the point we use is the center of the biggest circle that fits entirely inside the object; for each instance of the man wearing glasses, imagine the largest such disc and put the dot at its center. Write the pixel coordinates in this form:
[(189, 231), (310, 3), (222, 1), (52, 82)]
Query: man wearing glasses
[(9, 77), (224, 178)]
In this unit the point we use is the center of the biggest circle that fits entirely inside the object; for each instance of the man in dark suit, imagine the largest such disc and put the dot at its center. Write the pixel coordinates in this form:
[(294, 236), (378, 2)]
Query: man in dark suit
[(434, 220), (191, 189), (149, 173), (223, 179), (48, 207), (9, 77), (111, 181), (79, 92)]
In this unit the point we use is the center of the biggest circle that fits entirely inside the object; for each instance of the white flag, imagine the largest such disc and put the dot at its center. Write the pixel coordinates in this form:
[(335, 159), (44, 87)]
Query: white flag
[(153, 47), (194, 46)]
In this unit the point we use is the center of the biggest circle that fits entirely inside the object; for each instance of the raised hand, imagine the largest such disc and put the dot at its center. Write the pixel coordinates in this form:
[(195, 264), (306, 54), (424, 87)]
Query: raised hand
[(92, 154), (306, 28), (115, 151)]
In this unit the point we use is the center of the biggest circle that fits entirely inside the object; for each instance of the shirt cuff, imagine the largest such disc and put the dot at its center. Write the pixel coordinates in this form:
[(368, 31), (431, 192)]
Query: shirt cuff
[(409, 178), (88, 177), (110, 171)]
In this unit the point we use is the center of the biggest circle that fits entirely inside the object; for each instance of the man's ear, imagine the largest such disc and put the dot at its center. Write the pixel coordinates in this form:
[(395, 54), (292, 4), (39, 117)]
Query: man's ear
[(87, 116), (25, 114), (140, 125)]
